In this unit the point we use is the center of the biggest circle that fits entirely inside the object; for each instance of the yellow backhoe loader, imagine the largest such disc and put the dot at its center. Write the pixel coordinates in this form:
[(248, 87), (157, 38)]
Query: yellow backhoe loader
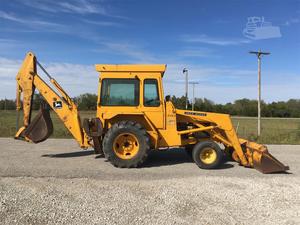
[(133, 117)]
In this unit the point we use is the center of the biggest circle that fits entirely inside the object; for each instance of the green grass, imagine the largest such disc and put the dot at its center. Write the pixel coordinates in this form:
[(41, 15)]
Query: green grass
[(8, 123), (274, 130)]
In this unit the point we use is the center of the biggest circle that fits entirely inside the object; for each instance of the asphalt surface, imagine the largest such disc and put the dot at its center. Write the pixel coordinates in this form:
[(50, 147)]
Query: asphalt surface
[(55, 182)]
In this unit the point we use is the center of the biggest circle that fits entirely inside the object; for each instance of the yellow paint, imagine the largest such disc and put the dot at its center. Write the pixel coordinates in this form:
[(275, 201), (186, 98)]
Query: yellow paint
[(20, 131), (126, 146), (208, 155), (159, 68), (28, 77), (24, 84), (161, 122)]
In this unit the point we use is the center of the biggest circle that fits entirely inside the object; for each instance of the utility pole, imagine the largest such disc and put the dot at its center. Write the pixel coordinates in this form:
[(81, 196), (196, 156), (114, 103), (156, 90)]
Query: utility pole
[(259, 54), (193, 100), (186, 86)]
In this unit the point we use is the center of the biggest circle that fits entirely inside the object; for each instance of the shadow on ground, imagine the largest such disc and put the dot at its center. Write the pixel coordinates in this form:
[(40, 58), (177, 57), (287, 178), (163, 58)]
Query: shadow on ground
[(173, 157), (69, 154), (155, 159), (167, 157)]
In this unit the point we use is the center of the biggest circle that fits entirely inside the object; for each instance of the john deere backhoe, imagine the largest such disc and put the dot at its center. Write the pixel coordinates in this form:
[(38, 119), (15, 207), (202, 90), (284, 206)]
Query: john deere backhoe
[(133, 118)]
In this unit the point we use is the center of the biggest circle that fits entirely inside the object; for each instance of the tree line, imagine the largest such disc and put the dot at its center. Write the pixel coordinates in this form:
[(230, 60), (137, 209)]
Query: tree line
[(241, 107)]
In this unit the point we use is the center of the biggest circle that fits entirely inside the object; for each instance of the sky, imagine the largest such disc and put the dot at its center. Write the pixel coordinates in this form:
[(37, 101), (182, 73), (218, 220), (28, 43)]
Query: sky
[(210, 38)]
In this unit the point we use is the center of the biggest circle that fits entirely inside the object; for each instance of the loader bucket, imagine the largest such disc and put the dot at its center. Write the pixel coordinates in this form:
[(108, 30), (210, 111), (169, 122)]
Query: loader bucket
[(41, 126), (266, 163), (260, 158)]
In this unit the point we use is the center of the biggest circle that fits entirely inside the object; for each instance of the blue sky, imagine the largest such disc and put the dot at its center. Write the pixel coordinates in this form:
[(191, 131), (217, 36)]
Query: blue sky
[(70, 36)]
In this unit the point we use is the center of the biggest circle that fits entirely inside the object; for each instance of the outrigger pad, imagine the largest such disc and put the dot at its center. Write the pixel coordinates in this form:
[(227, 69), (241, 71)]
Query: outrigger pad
[(41, 126)]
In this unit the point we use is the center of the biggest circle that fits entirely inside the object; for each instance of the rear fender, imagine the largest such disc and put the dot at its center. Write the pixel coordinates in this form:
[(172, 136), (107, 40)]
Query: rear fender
[(136, 117)]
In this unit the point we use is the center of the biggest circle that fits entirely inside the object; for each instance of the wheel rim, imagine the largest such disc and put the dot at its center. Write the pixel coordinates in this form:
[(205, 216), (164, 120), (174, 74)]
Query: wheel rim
[(208, 155), (126, 146)]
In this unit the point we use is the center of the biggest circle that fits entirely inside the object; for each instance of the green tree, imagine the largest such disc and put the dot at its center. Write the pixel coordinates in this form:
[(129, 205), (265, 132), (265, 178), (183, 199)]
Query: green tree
[(204, 105), (245, 107), (7, 104), (180, 102), (240, 107), (87, 101)]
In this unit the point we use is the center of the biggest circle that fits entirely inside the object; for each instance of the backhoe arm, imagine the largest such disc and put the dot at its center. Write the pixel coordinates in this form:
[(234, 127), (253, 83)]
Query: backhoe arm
[(27, 81)]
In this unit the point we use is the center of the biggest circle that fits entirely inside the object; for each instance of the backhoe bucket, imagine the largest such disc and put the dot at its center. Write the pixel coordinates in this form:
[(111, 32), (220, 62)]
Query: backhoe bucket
[(260, 158), (40, 128)]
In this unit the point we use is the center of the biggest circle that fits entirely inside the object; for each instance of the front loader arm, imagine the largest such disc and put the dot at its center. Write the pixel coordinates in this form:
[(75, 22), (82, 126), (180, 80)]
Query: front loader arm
[(28, 80), (220, 128), (218, 122)]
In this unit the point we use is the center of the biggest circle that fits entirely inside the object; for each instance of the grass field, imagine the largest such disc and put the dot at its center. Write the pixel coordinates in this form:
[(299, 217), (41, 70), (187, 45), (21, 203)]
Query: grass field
[(274, 130)]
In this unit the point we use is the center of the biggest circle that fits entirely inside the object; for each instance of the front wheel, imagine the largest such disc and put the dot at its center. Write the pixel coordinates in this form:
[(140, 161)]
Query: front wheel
[(207, 155)]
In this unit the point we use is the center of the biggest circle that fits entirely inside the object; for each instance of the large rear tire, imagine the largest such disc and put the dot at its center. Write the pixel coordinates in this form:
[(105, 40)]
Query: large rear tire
[(207, 155), (126, 144)]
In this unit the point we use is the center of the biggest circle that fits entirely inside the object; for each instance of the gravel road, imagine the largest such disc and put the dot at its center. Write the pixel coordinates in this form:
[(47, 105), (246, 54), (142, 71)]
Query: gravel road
[(55, 182)]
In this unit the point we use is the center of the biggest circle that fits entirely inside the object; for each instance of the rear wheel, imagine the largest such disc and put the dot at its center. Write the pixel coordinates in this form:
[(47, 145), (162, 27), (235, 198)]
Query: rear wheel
[(207, 155), (126, 144)]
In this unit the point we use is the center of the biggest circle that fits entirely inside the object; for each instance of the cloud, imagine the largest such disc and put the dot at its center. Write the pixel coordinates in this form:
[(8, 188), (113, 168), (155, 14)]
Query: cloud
[(74, 78), (213, 41), (9, 16), (136, 54), (218, 84), (28, 21), (8, 67), (222, 21), (102, 23), (6, 41), (196, 52), (226, 84), (73, 7), (81, 7), (291, 21), (37, 23), (8, 45), (216, 76)]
